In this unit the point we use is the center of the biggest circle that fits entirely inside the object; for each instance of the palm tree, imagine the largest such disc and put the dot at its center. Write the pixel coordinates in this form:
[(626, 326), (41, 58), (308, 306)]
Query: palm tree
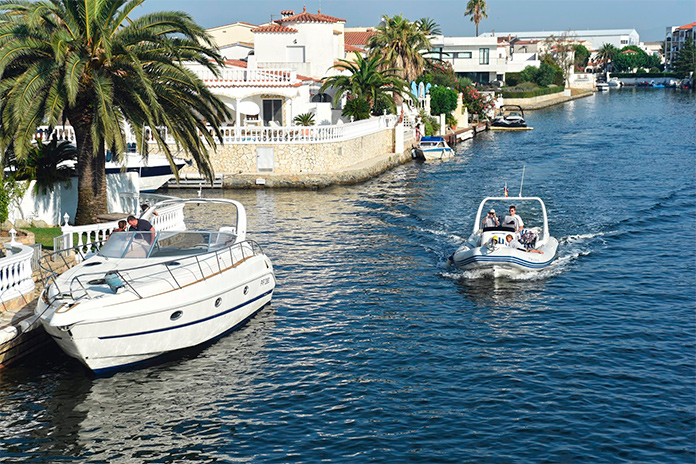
[(429, 26), (304, 119), (607, 53), (90, 63), (477, 10), (368, 79), (47, 163), (402, 45)]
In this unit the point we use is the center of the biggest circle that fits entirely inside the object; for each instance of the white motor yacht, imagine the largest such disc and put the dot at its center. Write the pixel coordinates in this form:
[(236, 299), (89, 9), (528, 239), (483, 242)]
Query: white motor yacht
[(143, 294), (490, 249)]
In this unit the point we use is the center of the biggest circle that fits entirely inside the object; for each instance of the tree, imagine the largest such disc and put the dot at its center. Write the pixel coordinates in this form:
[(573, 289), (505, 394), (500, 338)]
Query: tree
[(401, 45), (562, 51), (632, 57), (304, 119), (477, 10), (428, 26), (90, 63), (582, 55), (365, 80), (357, 108), (607, 54), (47, 163), (685, 62), (442, 100)]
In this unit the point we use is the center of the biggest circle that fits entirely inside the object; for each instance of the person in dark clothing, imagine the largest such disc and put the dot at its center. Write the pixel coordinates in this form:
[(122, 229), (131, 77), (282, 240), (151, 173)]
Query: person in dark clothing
[(140, 225)]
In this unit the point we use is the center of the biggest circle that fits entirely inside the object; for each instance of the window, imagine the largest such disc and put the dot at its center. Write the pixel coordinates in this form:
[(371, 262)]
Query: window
[(462, 55), (272, 111), (483, 56), (295, 54), (624, 41)]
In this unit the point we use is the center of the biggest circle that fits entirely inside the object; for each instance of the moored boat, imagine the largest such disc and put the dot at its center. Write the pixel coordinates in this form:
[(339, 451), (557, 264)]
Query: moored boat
[(501, 249), (509, 116), (430, 148), (145, 293)]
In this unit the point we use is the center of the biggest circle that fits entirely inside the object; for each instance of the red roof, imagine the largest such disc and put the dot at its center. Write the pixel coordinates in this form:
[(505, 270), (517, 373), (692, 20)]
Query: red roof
[(628, 51), (305, 17), (237, 63), (357, 38), (688, 26), (279, 28), (353, 48)]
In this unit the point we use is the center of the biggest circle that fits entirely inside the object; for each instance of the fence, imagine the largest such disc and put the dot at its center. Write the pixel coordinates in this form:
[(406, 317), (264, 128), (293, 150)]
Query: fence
[(15, 272)]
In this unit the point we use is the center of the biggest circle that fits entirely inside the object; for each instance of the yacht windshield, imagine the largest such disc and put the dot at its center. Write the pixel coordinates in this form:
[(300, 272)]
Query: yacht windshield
[(128, 245)]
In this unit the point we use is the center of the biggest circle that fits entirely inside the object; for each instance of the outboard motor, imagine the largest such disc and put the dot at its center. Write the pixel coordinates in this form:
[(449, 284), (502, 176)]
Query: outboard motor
[(417, 154)]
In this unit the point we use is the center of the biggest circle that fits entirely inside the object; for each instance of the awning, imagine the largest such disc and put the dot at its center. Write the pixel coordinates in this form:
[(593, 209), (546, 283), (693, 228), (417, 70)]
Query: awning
[(249, 108)]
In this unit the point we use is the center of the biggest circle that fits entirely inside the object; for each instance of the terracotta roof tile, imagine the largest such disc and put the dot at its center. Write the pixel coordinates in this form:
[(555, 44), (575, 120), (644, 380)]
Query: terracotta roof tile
[(353, 48), (237, 63), (357, 38), (305, 17), (277, 28), (687, 26)]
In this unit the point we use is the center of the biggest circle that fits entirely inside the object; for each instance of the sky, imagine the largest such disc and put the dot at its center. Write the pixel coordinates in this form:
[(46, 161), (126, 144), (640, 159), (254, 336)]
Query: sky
[(649, 17)]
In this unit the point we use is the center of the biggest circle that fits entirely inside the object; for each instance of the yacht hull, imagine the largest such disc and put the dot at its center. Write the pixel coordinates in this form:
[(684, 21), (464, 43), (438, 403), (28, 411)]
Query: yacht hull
[(120, 331)]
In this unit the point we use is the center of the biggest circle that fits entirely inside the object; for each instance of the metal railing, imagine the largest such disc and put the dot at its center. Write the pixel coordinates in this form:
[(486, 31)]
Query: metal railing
[(176, 273)]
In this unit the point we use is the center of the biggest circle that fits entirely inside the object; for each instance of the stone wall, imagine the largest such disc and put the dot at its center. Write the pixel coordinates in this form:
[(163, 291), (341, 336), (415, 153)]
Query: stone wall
[(295, 158)]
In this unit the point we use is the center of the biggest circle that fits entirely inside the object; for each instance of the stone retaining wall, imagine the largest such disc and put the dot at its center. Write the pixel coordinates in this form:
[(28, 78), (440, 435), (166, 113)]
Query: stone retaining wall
[(298, 158)]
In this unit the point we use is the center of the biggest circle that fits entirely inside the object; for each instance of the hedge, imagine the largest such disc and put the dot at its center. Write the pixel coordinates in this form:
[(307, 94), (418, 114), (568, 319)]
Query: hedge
[(512, 78), (532, 93), (648, 74)]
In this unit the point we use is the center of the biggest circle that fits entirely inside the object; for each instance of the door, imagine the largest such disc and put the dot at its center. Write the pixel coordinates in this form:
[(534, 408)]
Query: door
[(273, 111)]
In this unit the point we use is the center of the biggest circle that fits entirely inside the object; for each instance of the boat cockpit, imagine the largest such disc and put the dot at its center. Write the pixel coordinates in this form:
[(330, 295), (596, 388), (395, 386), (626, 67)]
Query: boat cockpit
[(160, 244)]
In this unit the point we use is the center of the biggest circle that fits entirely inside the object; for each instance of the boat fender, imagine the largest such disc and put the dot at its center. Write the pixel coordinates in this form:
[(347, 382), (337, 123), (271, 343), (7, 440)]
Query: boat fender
[(114, 281)]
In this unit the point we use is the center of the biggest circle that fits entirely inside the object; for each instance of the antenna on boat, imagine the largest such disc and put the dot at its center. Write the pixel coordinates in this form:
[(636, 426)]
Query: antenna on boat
[(522, 182)]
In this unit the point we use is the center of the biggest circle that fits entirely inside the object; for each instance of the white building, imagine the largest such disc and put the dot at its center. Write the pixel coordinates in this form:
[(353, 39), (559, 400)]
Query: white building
[(476, 58), (617, 37), (674, 40), (307, 43)]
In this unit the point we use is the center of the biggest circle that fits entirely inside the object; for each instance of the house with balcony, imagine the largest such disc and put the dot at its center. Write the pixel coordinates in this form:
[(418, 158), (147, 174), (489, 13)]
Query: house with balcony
[(307, 43), (476, 58), (675, 38), (594, 38)]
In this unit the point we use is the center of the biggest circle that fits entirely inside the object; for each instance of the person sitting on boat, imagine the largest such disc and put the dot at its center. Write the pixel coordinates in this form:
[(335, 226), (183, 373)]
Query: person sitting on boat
[(121, 227), (513, 220), (491, 220), (512, 242), (144, 207)]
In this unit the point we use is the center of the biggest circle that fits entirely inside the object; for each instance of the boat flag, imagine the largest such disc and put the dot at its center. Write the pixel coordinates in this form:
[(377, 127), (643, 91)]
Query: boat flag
[(505, 189)]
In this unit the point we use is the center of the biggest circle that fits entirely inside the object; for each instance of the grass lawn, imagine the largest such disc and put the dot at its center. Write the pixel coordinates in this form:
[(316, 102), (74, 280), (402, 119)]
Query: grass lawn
[(45, 235)]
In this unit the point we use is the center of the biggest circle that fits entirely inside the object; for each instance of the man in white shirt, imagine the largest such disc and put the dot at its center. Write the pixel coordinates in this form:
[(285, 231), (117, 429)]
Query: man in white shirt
[(491, 220), (513, 219)]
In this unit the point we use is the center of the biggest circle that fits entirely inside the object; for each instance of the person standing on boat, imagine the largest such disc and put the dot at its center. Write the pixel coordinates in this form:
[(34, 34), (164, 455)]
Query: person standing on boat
[(491, 220), (139, 225), (513, 219)]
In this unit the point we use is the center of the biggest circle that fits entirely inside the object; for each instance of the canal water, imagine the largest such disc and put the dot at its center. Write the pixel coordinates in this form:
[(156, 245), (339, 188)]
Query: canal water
[(374, 351)]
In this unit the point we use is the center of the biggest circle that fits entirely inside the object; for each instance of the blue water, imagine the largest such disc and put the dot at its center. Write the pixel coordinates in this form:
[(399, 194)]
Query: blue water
[(374, 351)]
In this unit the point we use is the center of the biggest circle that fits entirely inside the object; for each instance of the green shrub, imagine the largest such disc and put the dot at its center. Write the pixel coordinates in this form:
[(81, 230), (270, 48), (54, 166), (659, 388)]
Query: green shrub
[(511, 93), (545, 76), (450, 120), (512, 79), (527, 86), (442, 100), (431, 125), (358, 108), (529, 74)]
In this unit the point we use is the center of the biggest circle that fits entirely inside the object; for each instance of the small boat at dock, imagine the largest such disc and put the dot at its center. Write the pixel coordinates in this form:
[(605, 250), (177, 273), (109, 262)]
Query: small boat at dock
[(142, 294), (431, 148), (509, 116)]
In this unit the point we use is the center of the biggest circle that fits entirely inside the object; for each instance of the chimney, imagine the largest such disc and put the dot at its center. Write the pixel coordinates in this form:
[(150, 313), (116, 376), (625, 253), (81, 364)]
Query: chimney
[(286, 13)]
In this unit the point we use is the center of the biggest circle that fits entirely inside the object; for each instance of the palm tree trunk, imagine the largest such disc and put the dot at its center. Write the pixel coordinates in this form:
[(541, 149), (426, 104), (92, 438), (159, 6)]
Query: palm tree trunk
[(91, 174), (476, 28)]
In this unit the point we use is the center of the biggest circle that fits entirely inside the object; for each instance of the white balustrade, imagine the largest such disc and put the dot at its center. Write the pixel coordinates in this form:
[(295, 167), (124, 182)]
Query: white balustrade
[(15, 272), (278, 135)]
